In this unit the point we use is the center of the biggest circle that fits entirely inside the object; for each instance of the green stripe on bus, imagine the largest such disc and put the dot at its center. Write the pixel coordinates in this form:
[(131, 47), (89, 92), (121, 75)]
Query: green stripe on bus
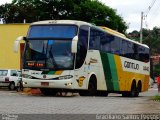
[(110, 71), (49, 72), (113, 72), (107, 71)]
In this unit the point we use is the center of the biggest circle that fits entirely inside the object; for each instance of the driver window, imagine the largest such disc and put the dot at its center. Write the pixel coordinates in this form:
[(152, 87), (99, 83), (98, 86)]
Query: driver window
[(82, 46)]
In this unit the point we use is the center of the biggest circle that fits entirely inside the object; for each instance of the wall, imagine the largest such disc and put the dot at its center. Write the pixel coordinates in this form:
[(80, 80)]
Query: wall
[(8, 34)]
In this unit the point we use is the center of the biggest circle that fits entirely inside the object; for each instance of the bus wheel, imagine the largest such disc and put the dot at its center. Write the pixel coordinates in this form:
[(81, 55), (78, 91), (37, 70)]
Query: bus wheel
[(48, 92), (139, 87), (134, 91), (102, 93), (125, 94), (83, 93), (92, 88)]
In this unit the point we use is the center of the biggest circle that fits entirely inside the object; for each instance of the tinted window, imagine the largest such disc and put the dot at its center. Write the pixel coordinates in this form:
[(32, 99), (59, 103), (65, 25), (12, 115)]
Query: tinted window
[(52, 31), (123, 48), (100, 40), (143, 54), (106, 43), (82, 46), (130, 50), (94, 39), (115, 47)]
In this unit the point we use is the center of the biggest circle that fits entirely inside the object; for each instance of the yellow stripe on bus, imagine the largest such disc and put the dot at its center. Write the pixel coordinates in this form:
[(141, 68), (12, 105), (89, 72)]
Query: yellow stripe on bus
[(125, 78), (59, 72)]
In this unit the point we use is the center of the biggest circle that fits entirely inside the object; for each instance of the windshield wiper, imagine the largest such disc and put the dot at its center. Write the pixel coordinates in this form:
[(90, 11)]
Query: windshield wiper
[(50, 62)]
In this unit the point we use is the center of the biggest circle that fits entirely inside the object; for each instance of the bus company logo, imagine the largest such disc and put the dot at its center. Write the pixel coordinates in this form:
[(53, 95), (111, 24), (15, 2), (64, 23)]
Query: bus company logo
[(44, 76), (80, 81), (131, 65)]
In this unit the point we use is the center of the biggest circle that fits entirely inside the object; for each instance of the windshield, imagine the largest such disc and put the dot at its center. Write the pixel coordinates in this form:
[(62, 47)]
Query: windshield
[(49, 49)]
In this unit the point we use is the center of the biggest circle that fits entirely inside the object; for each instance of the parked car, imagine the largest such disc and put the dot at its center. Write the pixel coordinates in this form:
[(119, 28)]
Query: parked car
[(9, 78)]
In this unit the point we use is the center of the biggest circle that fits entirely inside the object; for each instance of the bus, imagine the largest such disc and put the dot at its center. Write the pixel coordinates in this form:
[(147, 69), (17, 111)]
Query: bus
[(76, 56)]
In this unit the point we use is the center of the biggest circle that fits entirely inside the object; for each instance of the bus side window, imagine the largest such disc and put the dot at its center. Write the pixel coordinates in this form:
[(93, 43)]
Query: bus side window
[(143, 54), (136, 55), (115, 48), (130, 50), (94, 39), (124, 48), (106, 40)]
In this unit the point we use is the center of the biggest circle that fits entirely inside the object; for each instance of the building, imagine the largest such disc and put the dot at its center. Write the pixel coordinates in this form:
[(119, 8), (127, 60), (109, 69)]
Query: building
[(8, 34)]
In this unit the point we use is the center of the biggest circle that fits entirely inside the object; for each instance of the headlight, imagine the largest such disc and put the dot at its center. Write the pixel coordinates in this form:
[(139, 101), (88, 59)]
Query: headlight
[(27, 76)]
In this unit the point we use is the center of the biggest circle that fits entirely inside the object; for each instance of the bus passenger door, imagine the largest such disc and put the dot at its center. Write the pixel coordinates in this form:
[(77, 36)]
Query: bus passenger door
[(80, 66)]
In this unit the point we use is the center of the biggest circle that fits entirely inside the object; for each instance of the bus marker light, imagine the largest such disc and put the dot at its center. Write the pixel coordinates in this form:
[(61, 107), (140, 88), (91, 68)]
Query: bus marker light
[(68, 84), (24, 83)]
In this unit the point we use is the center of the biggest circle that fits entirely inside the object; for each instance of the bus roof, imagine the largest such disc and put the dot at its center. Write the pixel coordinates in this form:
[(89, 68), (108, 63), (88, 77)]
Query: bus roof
[(62, 22), (113, 31)]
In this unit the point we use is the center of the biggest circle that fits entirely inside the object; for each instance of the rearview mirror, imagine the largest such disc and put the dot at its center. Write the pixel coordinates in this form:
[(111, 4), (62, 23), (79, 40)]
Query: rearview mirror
[(74, 44), (16, 43)]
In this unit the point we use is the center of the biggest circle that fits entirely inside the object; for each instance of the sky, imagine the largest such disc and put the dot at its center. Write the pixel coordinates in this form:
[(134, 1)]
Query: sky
[(5, 1), (130, 11)]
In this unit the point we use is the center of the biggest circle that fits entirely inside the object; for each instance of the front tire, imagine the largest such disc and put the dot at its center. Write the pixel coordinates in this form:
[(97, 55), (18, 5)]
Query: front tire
[(92, 88), (102, 93)]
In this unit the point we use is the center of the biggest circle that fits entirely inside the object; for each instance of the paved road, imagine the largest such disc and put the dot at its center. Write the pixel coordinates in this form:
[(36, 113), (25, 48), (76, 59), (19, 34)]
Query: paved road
[(12, 102)]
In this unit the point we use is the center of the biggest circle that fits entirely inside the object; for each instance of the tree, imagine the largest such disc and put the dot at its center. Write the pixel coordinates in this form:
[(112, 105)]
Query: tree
[(91, 11)]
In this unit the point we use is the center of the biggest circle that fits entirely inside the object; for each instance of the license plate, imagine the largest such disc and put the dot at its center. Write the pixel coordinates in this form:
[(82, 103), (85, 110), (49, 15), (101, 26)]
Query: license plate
[(4, 84), (44, 83)]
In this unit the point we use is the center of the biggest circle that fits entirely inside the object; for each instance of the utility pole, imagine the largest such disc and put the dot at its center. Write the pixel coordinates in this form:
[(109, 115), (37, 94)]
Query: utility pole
[(141, 33)]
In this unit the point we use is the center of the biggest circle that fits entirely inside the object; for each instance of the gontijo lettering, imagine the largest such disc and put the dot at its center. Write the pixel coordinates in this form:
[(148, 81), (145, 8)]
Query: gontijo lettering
[(131, 65)]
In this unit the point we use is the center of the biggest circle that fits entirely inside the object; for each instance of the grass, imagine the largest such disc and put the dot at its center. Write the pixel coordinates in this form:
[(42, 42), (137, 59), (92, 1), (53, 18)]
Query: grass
[(157, 97)]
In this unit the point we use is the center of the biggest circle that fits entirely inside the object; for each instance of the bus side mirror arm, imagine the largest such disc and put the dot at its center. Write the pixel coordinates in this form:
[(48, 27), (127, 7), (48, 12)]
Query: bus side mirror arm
[(16, 43), (74, 44)]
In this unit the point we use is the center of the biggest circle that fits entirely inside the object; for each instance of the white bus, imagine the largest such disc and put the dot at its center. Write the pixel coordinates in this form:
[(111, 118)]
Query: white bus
[(68, 55)]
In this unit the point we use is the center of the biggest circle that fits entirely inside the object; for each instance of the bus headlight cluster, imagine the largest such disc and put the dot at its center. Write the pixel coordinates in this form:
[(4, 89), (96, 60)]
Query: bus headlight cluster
[(65, 77), (27, 76), (24, 83)]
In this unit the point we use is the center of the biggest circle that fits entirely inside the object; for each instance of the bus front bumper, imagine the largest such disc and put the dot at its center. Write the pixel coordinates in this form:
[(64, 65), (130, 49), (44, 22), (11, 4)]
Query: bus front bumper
[(56, 84)]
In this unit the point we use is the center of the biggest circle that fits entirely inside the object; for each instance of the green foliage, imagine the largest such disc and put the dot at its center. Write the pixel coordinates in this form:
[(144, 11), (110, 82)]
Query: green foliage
[(156, 69), (91, 11), (157, 97)]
